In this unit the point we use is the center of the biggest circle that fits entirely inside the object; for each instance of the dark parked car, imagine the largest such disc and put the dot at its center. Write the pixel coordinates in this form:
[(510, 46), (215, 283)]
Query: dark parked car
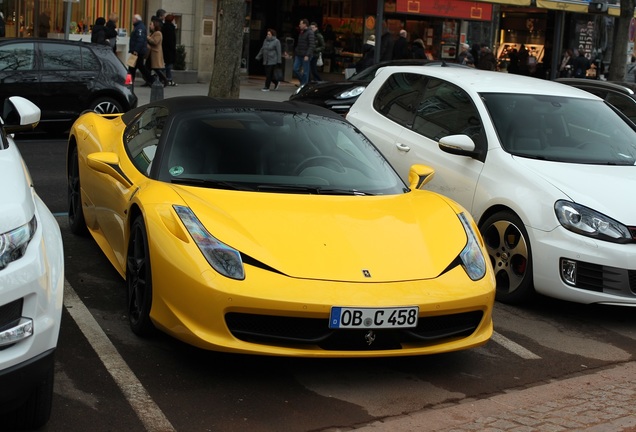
[(621, 95), (64, 78), (338, 96)]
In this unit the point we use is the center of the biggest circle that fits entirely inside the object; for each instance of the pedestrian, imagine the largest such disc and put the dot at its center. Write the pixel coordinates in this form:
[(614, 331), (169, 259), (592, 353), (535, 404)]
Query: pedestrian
[(161, 15), (474, 50), (401, 47), (368, 55), (524, 57), (270, 54), (138, 46), (465, 57), (304, 52), (44, 23), (513, 61), (2, 25), (169, 46), (417, 49), (487, 60), (580, 65), (565, 69), (155, 39), (111, 30), (98, 32), (386, 44), (318, 50)]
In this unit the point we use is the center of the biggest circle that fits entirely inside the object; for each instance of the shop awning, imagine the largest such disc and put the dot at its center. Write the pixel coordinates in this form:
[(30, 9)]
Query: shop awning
[(576, 6), (509, 2), (568, 6)]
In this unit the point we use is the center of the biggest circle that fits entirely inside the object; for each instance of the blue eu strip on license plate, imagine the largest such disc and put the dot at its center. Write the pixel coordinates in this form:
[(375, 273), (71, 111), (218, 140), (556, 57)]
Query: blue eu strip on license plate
[(373, 318)]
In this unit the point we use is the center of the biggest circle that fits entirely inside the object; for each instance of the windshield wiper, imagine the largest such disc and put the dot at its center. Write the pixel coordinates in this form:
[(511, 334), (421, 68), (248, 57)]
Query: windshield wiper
[(218, 184), (318, 190)]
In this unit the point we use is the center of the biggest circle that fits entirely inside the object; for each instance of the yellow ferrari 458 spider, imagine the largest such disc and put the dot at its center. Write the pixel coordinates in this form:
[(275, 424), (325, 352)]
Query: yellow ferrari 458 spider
[(275, 228)]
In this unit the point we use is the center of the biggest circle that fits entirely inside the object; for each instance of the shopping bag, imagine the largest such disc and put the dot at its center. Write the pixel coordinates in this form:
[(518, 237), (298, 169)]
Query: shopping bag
[(131, 60), (319, 61)]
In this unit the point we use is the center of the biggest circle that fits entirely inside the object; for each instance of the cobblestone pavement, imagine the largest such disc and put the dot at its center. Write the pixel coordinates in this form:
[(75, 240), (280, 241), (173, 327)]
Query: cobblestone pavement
[(601, 401)]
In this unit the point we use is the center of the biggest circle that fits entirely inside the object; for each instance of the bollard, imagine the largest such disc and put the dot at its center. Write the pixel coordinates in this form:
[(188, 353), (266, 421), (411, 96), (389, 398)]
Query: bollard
[(156, 90)]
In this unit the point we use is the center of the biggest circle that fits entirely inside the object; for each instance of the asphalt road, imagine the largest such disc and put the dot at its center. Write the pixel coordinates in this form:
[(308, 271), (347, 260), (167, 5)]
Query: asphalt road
[(107, 379)]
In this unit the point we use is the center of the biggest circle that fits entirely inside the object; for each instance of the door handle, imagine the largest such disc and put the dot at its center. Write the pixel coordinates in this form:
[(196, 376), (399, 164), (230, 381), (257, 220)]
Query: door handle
[(402, 147)]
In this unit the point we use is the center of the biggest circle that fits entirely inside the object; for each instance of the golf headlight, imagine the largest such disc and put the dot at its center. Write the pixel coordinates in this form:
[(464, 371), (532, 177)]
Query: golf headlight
[(472, 259), (590, 223), (223, 258), (354, 92), (13, 244)]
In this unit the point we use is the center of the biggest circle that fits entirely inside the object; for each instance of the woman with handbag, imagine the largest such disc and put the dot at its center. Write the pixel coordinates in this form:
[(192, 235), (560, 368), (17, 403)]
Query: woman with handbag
[(270, 54)]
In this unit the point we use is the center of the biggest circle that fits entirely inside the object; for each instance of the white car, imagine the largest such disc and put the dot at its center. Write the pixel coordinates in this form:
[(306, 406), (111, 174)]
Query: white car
[(31, 282), (547, 170)]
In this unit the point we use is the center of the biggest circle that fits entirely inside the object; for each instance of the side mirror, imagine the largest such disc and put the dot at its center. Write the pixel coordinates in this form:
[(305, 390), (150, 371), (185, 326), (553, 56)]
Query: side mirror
[(461, 145), (107, 163), (19, 115), (419, 175)]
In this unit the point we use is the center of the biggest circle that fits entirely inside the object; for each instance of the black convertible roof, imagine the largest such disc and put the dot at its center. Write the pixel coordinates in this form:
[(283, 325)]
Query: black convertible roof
[(182, 104)]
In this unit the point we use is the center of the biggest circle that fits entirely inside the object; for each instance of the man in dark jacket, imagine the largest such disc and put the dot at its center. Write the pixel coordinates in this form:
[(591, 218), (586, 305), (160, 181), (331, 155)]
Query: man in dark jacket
[(98, 33), (401, 47), (169, 46), (111, 30), (304, 51), (138, 45)]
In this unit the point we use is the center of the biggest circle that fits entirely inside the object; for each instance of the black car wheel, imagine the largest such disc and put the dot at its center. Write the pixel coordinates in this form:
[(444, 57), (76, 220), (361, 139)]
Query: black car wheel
[(106, 105), (75, 211), (509, 250), (36, 410), (139, 280)]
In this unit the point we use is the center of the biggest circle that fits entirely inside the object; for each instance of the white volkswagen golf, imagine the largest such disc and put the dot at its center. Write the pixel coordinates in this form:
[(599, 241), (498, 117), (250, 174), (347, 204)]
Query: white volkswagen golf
[(31, 282), (547, 170)]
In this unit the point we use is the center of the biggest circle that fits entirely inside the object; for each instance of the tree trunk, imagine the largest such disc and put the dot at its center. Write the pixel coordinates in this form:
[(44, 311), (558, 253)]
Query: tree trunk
[(225, 81), (620, 40)]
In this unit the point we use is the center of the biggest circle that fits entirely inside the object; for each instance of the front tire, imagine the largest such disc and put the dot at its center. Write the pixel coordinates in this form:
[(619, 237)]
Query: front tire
[(510, 253), (76, 220), (139, 280), (36, 410)]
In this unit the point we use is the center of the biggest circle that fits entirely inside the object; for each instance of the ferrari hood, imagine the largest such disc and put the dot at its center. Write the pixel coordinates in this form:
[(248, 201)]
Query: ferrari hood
[(355, 239), (604, 188)]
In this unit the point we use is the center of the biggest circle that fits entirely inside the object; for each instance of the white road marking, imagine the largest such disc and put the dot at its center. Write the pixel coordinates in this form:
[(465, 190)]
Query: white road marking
[(514, 347), (148, 412)]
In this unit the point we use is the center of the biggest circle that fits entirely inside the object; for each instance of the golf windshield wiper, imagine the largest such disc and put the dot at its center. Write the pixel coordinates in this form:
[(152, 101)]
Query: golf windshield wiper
[(218, 184), (318, 190)]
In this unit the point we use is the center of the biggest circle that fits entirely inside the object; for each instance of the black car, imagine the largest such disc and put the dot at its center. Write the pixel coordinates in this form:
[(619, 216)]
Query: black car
[(64, 78), (338, 96), (621, 95)]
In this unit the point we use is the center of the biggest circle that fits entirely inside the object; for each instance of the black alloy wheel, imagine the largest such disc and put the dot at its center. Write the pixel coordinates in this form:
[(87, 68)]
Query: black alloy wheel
[(139, 280)]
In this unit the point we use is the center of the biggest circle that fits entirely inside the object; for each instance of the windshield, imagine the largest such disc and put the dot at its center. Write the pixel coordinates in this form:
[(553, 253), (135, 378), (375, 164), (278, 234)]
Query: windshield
[(562, 129), (273, 151)]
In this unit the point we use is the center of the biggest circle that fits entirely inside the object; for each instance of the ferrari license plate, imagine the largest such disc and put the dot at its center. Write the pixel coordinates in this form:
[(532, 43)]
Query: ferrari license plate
[(373, 318)]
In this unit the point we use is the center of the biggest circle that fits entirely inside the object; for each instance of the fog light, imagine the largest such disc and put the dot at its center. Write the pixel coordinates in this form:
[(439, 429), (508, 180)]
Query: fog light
[(15, 334), (568, 271)]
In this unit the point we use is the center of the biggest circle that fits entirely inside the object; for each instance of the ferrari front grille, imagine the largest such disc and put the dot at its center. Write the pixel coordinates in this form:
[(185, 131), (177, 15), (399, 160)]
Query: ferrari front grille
[(278, 330)]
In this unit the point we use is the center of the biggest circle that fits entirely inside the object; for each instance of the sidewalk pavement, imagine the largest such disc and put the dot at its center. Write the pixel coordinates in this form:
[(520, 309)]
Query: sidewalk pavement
[(250, 89), (600, 401)]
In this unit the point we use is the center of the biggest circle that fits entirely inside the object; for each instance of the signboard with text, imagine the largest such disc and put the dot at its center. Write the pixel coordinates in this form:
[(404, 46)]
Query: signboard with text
[(446, 8)]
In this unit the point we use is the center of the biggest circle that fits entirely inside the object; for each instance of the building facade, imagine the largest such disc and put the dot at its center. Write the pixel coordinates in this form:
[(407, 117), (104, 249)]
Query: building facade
[(545, 27)]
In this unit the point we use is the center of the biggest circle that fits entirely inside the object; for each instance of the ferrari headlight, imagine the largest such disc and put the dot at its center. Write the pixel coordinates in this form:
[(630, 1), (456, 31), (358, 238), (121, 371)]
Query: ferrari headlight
[(472, 259), (590, 223), (354, 92), (13, 244), (223, 258)]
